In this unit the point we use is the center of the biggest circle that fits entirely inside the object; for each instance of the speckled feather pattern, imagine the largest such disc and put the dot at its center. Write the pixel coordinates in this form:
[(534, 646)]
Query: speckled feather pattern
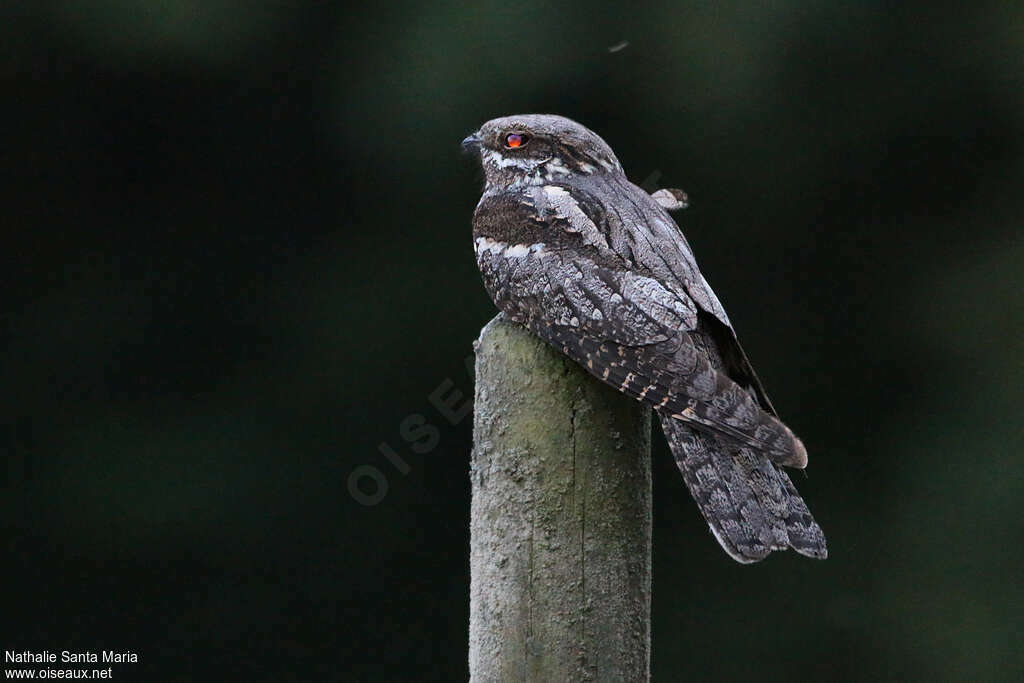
[(595, 266)]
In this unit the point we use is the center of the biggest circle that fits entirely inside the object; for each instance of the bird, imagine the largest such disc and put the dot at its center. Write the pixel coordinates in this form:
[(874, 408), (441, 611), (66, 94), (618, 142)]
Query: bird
[(596, 266)]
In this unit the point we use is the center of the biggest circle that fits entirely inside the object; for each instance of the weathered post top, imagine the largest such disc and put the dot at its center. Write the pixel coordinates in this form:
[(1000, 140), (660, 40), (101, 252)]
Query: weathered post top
[(560, 549)]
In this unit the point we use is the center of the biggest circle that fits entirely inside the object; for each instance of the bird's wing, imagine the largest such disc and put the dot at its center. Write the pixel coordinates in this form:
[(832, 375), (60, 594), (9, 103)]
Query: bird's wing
[(549, 267), (642, 233)]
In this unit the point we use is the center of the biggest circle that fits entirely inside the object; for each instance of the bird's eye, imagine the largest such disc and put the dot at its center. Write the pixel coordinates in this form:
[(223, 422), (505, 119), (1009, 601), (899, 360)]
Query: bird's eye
[(514, 140)]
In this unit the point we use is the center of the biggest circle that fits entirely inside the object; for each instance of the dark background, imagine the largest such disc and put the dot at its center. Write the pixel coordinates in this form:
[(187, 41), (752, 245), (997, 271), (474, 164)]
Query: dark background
[(236, 256)]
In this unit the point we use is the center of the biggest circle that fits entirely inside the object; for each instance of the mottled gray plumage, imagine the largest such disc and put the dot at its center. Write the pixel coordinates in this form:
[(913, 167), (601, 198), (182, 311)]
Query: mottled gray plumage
[(595, 266)]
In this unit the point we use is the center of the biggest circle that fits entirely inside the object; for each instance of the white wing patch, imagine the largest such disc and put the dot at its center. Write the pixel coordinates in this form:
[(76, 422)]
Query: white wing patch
[(671, 200), (561, 203)]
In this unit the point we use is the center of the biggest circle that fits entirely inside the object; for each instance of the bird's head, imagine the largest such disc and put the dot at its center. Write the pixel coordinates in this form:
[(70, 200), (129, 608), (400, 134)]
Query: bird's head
[(535, 148)]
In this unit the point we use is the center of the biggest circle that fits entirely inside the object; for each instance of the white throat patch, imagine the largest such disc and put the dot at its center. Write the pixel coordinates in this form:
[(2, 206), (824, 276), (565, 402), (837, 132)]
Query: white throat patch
[(485, 245), (500, 161)]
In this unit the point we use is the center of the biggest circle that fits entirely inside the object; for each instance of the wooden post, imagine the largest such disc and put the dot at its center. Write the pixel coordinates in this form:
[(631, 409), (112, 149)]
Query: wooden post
[(560, 548)]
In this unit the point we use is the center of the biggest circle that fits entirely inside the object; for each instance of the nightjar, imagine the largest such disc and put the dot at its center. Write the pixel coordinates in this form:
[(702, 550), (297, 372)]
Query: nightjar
[(595, 266)]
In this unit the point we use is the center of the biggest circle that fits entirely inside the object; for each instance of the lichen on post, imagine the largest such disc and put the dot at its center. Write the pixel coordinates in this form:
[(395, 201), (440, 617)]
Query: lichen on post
[(560, 549)]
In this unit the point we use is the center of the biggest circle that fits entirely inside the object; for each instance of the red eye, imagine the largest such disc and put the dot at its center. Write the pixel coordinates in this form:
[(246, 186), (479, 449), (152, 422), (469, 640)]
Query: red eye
[(513, 140)]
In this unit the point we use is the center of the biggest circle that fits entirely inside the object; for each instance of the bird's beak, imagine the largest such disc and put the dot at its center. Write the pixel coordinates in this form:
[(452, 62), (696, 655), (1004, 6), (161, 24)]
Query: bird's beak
[(471, 143)]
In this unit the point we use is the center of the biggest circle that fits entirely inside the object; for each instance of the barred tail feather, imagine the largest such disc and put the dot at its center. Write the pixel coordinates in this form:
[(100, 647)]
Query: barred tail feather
[(805, 536), (749, 503)]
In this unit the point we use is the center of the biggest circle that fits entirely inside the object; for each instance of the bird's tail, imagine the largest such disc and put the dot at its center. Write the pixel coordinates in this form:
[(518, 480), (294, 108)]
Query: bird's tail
[(750, 504)]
